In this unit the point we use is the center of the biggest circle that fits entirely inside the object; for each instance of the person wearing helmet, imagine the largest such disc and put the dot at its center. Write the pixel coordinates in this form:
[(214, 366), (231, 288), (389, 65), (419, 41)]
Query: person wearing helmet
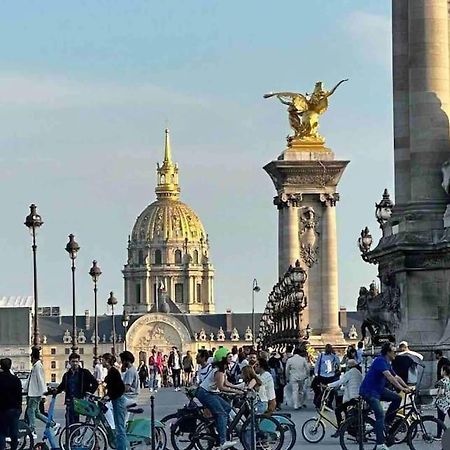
[(208, 394)]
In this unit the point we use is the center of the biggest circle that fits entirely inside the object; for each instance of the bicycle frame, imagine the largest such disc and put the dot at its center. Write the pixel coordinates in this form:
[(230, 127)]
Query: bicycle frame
[(48, 431), (325, 411)]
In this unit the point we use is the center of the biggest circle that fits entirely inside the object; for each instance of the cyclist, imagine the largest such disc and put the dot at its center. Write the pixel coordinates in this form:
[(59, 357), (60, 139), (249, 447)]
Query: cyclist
[(373, 390), (208, 394)]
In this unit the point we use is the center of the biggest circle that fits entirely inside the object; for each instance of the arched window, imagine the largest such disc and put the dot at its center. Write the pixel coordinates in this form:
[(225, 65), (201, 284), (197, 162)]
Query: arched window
[(177, 256), (195, 256), (158, 257), (141, 257), (163, 179)]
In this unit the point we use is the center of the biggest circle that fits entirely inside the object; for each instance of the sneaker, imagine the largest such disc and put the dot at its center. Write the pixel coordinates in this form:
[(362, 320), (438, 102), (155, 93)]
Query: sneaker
[(335, 435), (57, 428), (228, 444), (151, 389), (156, 390), (34, 435), (8, 439)]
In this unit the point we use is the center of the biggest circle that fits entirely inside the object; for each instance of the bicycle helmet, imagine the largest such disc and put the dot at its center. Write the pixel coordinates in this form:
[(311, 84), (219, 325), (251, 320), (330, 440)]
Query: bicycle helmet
[(86, 408), (220, 353)]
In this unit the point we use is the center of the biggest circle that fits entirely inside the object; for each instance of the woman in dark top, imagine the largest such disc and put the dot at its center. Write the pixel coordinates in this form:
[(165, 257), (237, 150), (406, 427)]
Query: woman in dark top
[(114, 391)]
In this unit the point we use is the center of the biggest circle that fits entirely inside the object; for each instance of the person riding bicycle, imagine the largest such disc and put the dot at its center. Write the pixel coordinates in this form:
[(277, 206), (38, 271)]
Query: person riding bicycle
[(351, 382), (373, 390), (208, 394)]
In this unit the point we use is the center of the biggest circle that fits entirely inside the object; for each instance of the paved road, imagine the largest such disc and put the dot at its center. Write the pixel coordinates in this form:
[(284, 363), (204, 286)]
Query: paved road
[(168, 401)]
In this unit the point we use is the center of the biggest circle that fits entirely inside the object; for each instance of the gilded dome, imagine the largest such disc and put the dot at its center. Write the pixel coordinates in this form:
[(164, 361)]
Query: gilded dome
[(168, 219)]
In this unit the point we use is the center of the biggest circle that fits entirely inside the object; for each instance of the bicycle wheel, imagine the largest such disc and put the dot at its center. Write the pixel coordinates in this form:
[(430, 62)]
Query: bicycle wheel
[(290, 436), (65, 432), (182, 432), (424, 432), (351, 438), (313, 430), (25, 438), (398, 431), (87, 437), (269, 434)]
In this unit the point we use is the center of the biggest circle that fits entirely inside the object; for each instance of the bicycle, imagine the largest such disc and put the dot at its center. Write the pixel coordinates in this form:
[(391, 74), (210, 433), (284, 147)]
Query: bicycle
[(98, 434), (25, 437), (313, 430), (49, 433), (268, 432), (421, 429)]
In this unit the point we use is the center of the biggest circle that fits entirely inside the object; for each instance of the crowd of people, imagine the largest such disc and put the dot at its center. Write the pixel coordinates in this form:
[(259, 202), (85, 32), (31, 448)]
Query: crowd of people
[(280, 379)]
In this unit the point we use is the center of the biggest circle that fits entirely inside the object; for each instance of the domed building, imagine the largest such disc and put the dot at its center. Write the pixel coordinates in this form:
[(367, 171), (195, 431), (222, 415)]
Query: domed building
[(168, 267)]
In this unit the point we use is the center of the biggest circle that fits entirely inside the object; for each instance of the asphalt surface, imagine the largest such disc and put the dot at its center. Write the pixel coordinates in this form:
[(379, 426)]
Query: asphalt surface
[(168, 401)]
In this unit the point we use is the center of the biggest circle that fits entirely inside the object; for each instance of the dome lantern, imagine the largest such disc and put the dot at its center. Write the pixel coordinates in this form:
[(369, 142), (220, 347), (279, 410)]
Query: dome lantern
[(167, 187)]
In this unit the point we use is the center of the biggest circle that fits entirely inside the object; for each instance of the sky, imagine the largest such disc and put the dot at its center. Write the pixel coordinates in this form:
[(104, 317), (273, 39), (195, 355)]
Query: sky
[(87, 88)]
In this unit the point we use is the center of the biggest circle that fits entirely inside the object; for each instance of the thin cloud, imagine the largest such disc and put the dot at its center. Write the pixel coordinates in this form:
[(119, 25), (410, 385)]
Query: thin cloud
[(55, 92)]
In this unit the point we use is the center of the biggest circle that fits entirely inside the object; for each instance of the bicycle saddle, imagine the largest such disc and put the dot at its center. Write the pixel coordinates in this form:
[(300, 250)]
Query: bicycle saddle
[(131, 405), (135, 410)]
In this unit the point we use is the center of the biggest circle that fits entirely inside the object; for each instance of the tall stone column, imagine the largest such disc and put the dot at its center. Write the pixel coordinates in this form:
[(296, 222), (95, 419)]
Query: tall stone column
[(329, 278), (288, 237)]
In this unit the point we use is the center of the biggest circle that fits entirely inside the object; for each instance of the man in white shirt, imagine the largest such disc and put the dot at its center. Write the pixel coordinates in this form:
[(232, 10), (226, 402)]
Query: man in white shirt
[(266, 391), (297, 372), (35, 389), (130, 377), (100, 373)]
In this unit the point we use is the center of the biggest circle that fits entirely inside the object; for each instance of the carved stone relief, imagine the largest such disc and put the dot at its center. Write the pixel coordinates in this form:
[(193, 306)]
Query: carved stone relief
[(308, 236)]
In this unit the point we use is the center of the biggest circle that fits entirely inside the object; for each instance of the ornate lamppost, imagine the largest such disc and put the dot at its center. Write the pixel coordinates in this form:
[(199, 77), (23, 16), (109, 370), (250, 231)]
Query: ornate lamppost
[(33, 222), (365, 242), (255, 288), (383, 210), (125, 321), (72, 249), (95, 273), (112, 301)]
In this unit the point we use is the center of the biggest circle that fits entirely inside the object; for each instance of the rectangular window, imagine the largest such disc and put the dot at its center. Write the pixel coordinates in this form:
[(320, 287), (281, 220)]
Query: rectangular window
[(67, 351), (53, 351), (155, 294), (138, 292), (199, 293), (53, 377), (81, 351), (179, 298), (53, 364)]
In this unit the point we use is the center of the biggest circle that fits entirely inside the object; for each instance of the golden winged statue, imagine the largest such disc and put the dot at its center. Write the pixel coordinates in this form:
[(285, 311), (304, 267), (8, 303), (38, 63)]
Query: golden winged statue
[(304, 110)]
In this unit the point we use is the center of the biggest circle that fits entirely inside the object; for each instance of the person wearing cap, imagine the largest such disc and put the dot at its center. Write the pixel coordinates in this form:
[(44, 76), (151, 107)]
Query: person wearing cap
[(350, 382), (207, 393), (405, 363)]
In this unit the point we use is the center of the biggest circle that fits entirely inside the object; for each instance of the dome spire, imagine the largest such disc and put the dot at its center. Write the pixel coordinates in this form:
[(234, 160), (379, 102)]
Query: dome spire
[(167, 148), (167, 187)]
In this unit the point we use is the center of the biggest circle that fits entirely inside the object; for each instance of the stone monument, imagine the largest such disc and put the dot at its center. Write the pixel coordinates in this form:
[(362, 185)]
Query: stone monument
[(413, 254), (306, 175)]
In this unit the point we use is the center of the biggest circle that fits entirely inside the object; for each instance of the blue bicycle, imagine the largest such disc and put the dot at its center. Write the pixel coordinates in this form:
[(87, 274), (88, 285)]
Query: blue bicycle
[(49, 441)]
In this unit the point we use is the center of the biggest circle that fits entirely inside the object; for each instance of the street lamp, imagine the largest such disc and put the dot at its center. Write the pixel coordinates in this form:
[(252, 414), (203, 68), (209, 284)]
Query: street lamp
[(95, 273), (383, 210), (72, 249), (112, 301), (33, 221), (255, 288), (125, 321)]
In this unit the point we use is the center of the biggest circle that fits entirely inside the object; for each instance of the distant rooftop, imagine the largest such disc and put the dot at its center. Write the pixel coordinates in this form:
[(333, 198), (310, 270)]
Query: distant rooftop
[(16, 302)]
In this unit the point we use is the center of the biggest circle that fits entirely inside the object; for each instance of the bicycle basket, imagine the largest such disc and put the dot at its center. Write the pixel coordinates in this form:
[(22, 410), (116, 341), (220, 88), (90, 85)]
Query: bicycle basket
[(86, 407), (139, 427)]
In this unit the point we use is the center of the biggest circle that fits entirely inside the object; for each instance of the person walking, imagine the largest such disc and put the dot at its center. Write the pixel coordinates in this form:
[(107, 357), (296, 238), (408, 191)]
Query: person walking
[(326, 370), (35, 388), (188, 368), (174, 364), (130, 376), (143, 374), (277, 372), (76, 383), (153, 369), (351, 382), (297, 371), (441, 362), (442, 401), (10, 404), (99, 375), (373, 390), (115, 390)]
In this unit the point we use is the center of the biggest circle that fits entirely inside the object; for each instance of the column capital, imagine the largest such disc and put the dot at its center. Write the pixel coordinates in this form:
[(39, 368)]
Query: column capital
[(329, 199), (286, 200)]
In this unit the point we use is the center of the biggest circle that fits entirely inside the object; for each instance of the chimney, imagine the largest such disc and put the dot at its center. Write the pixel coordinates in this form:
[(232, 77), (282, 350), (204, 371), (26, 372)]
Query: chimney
[(87, 320), (343, 317), (229, 320)]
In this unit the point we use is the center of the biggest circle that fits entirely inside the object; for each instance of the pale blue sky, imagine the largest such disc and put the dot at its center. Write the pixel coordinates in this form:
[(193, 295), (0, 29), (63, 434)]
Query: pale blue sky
[(87, 88)]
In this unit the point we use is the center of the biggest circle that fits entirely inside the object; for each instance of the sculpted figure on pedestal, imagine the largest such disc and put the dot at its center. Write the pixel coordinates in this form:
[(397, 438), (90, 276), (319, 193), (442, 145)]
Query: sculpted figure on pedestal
[(308, 236), (381, 311), (304, 111)]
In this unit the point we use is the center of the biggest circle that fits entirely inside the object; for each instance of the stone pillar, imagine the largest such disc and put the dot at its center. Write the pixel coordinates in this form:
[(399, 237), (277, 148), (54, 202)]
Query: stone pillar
[(288, 232), (400, 75), (329, 279), (429, 105)]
